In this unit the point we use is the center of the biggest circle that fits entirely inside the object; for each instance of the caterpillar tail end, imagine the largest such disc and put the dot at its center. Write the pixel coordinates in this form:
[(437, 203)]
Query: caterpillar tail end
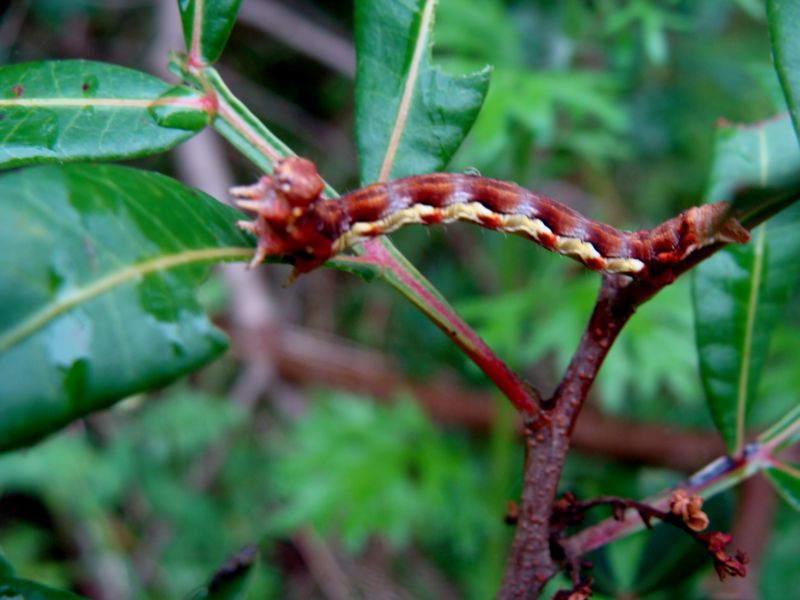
[(733, 232)]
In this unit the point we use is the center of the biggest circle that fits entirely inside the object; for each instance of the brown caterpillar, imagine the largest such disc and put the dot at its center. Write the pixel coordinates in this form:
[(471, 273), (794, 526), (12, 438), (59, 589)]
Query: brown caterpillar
[(294, 221)]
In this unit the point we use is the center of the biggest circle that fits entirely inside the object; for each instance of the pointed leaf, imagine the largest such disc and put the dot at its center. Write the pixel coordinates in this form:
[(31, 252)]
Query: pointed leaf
[(98, 270), (741, 291), (786, 481), (755, 166), (410, 115), (206, 27), (784, 32), (59, 111)]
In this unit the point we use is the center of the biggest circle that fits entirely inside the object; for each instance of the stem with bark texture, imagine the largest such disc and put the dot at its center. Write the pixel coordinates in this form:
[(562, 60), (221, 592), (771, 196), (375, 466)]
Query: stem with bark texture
[(530, 564)]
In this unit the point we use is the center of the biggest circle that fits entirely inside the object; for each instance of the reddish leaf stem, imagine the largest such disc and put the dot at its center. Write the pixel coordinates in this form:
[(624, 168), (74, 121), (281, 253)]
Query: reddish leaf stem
[(521, 395)]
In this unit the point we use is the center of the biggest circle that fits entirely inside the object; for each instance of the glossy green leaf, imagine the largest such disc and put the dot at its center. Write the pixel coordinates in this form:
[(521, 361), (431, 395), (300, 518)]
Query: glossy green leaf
[(756, 167), (784, 32), (12, 588), (206, 26), (72, 110), (786, 481), (410, 115), (98, 269), (741, 291)]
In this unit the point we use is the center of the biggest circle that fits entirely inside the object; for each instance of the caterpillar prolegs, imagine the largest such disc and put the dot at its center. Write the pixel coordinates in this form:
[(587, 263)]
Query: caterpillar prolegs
[(294, 221)]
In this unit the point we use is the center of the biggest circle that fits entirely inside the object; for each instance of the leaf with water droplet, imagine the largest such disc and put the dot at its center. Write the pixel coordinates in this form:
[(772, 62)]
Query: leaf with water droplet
[(99, 265), (72, 110)]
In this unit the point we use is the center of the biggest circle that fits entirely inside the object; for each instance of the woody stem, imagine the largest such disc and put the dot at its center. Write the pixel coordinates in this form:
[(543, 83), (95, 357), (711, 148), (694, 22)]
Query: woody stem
[(530, 564)]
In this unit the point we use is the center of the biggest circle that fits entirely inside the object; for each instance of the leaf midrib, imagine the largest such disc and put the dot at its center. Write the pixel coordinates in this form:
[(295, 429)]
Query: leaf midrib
[(50, 311), (97, 102), (408, 89)]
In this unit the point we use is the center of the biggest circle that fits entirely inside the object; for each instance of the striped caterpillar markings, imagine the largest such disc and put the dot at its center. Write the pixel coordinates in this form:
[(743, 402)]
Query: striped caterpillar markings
[(294, 221), (477, 213)]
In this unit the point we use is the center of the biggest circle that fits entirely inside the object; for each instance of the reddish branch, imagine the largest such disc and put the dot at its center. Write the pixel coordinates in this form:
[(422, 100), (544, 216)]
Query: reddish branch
[(294, 221), (530, 564), (684, 512)]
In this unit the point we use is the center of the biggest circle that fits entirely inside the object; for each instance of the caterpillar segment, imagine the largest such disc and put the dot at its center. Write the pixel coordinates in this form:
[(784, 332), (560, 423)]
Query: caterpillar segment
[(293, 220)]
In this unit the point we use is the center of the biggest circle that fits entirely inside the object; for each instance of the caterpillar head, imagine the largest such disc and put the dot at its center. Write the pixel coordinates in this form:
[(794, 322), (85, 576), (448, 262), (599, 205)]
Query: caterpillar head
[(297, 180), (284, 204)]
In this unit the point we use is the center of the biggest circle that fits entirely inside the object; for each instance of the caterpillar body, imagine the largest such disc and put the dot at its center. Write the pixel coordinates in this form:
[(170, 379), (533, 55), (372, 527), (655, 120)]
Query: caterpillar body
[(294, 221)]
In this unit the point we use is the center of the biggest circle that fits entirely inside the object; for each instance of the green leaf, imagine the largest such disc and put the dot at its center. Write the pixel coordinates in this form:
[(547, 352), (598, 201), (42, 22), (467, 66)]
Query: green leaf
[(22, 589), (6, 570), (230, 580), (72, 110), (740, 293), (756, 167), (786, 481), (206, 27), (784, 32), (410, 115), (98, 270)]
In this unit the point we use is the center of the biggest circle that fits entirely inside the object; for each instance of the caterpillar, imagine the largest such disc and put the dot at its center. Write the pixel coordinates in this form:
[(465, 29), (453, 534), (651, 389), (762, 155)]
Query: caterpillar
[(294, 221)]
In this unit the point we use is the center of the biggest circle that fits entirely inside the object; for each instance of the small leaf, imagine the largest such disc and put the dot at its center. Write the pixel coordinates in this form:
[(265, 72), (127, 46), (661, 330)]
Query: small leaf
[(411, 117), (784, 32), (786, 481), (230, 580), (740, 293), (206, 27), (58, 111), (98, 270), (22, 589)]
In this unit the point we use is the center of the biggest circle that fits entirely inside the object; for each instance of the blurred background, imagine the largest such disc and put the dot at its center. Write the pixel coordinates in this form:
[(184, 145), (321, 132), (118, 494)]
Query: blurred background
[(342, 433)]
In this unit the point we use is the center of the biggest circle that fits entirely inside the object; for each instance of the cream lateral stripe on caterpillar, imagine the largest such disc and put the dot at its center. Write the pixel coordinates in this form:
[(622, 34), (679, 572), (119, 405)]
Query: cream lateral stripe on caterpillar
[(294, 220), (476, 212)]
